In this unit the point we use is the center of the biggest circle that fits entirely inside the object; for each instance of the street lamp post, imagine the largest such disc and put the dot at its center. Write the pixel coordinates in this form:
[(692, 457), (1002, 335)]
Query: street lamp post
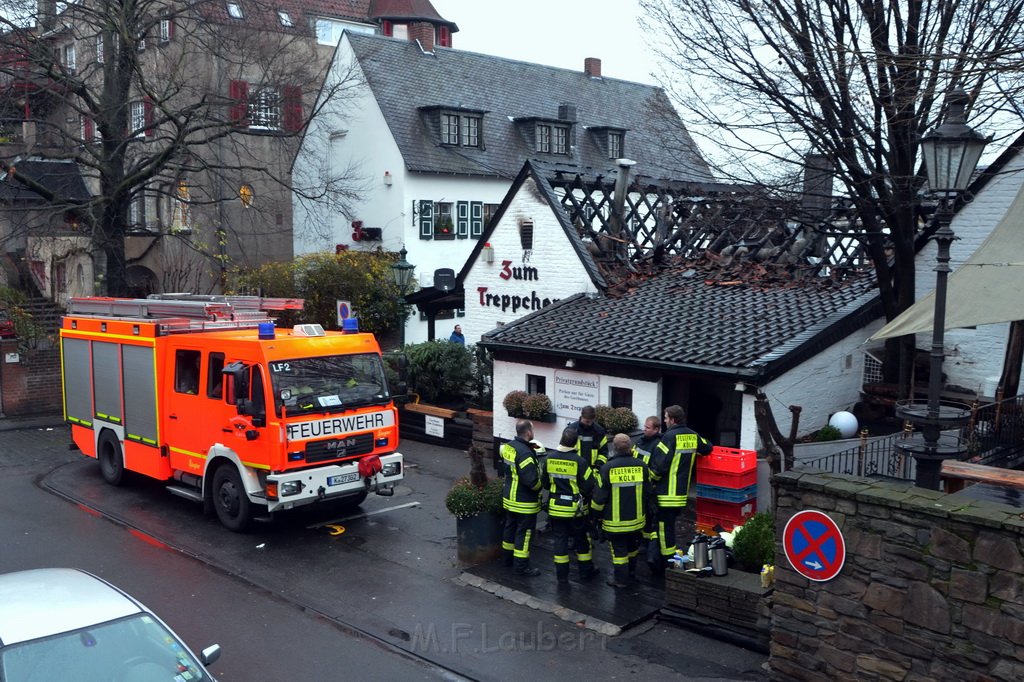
[(951, 153), (402, 270)]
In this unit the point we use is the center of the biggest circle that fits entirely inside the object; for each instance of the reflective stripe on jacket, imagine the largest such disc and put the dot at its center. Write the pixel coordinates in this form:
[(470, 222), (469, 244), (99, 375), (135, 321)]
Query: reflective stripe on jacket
[(521, 493), (592, 444), (672, 464), (623, 486), (569, 481)]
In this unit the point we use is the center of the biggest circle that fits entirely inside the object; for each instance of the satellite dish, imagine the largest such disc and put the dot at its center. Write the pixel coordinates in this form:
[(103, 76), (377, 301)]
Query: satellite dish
[(444, 279)]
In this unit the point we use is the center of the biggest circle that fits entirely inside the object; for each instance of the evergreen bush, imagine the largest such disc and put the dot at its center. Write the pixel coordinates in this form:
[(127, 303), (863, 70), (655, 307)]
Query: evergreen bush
[(754, 543), (827, 433), (440, 371)]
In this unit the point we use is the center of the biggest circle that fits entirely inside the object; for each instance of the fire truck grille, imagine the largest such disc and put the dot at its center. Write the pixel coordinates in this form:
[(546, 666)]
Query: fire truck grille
[(350, 446)]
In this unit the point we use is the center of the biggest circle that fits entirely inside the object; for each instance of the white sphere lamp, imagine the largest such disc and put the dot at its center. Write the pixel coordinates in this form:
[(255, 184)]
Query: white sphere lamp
[(845, 422)]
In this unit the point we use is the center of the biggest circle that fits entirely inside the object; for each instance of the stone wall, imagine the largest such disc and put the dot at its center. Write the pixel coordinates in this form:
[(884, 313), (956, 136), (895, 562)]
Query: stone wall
[(29, 380), (932, 587)]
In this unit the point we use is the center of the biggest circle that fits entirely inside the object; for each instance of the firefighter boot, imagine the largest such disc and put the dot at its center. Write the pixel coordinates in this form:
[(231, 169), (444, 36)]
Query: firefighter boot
[(620, 576), (562, 573), (507, 556), (631, 568), (523, 567), (588, 570)]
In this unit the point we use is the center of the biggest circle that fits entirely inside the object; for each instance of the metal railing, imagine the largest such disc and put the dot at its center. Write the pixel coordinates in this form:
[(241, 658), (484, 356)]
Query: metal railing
[(994, 435), (878, 457)]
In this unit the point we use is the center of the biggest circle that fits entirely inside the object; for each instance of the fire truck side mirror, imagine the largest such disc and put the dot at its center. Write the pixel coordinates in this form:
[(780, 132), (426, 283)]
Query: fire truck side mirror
[(236, 384)]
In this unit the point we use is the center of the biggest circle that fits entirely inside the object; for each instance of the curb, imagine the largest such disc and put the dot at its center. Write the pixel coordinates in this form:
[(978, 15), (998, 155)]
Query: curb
[(529, 601)]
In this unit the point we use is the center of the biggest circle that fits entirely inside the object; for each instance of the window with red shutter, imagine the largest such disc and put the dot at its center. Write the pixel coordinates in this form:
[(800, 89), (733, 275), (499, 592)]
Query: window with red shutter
[(239, 94), (292, 114), (385, 27), (444, 36)]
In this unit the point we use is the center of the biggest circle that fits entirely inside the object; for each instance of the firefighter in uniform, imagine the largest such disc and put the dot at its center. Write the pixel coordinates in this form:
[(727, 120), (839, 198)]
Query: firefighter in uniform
[(521, 497), (671, 465), (642, 450), (593, 442), (570, 482), (619, 504)]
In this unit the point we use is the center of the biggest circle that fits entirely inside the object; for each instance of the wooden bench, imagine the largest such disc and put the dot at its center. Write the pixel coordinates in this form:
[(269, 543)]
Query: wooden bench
[(432, 410), (956, 475)]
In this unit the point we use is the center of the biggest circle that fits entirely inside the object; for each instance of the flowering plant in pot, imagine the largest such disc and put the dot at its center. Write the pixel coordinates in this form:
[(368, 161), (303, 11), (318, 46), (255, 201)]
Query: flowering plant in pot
[(537, 406), (513, 402), (475, 502)]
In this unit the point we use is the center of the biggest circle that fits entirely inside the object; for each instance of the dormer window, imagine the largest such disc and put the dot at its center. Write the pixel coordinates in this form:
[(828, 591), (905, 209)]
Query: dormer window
[(614, 144), (235, 10), (552, 138), (611, 140), (456, 127), (461, 129)]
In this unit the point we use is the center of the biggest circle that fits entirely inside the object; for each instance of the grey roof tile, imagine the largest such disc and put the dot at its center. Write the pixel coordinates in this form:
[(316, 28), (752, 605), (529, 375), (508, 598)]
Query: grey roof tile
[(61, 177), (405, 80), (673, 320)]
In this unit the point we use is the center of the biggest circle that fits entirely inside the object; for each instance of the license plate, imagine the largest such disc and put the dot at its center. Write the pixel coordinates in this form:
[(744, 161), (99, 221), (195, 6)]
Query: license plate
[(343, 478)]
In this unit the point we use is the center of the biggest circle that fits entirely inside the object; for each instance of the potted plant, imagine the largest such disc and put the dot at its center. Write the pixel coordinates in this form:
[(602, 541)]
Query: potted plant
[(754, 543), (513, 402), (537, 406), (616, 419), (475, 502)]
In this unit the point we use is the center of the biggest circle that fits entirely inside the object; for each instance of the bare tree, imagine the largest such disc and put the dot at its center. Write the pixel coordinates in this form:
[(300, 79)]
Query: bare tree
[(183, 119), (858, 83)]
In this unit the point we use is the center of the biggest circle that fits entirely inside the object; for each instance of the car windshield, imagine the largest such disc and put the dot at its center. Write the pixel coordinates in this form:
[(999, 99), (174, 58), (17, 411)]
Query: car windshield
[(133, 649), (329, 384)]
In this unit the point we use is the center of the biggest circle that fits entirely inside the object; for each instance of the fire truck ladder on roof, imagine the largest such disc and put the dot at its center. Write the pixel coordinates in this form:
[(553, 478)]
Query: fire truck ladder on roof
[(222, 311)]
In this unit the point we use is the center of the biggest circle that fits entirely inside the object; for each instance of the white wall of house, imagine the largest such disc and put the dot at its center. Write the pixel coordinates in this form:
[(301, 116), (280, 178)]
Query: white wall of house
[(822, 385), (517, 281), (352, 134), (512, 376), (974, 357)]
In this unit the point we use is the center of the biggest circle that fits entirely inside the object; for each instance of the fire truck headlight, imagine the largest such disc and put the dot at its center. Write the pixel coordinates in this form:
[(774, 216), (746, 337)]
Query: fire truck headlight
[(291, 488), (392, 469)]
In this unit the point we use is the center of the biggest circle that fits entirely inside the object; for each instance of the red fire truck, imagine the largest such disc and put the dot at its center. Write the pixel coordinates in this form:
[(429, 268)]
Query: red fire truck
[(205, 392)]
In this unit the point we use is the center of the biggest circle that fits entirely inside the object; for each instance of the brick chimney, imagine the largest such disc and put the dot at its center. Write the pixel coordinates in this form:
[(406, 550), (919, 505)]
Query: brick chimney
[(423, 32), (592, 67)]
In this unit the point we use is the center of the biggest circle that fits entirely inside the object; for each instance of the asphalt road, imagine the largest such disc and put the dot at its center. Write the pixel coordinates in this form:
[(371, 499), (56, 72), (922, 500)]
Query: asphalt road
[(318, 595)]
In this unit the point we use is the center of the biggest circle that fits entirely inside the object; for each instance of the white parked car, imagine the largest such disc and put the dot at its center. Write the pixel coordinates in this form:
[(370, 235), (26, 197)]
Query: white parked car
[(62, 624)]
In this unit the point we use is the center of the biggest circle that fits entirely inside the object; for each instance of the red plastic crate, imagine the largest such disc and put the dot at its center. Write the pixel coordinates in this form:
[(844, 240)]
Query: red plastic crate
[(709, 525), (724, 479), (728, 461), (734, 512)]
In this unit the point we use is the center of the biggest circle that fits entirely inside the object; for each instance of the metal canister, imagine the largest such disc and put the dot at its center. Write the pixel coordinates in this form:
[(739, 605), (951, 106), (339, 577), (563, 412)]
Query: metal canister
[(700, 550), (719, 561)]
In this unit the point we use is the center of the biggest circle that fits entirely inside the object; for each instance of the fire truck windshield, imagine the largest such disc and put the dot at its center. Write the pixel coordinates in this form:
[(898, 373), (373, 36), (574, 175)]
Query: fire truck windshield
[(328, 384)]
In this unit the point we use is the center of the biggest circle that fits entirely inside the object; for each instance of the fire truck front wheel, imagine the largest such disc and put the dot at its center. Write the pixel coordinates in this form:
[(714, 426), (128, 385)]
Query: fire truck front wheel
[(108, 452), (229, 499)]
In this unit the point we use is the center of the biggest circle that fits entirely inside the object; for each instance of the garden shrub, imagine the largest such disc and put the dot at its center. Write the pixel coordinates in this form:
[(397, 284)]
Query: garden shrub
[(754, 543), (440, 371)]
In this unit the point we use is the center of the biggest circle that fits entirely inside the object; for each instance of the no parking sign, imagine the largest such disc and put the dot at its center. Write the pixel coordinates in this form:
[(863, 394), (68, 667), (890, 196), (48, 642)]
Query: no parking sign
[(814, 545), (344, 311)]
